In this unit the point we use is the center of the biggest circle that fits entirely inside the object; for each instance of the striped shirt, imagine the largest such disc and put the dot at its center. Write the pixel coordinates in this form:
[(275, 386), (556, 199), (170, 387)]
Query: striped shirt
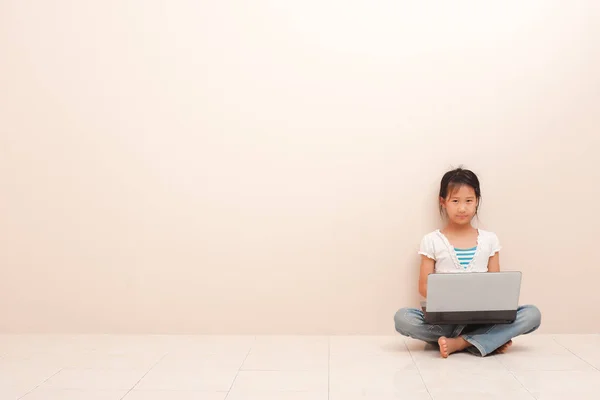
[(465, 256), (435, 245)]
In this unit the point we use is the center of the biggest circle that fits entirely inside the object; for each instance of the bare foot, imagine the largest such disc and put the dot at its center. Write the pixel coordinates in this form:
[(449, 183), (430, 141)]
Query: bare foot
[(503, 348), (452, 345)]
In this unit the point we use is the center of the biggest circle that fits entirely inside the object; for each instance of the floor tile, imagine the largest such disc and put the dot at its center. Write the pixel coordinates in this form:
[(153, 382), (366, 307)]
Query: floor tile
[(458, 361), (520, 394), (97, 367), (417, 347), (389, 361), (113, 360), (276, 395), (578, 341), (27, 374), (378, 395), (300, 381), (427, 357), (204, 379), (66, 394), (367, 344), (592, 359), (375, 380), (263, 360), (543, 362), (94, 379), (540, 344), (201, 362), (568, 396), (291, 344), (187, 345), (478, 381), (549, 383), (586, 347), (174, 395), (13, 392)]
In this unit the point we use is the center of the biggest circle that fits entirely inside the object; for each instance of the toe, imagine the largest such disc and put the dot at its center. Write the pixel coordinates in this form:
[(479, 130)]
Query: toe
[(443, 347)]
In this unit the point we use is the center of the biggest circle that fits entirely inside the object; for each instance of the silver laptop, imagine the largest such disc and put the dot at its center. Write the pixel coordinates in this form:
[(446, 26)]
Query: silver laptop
[(472, 298)]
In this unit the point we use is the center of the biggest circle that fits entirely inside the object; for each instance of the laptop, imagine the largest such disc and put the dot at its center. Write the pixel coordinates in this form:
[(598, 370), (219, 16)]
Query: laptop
[(472, 298)]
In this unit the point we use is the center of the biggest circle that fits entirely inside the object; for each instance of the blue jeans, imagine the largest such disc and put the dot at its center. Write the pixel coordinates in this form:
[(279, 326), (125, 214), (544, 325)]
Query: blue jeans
[(484, 338)]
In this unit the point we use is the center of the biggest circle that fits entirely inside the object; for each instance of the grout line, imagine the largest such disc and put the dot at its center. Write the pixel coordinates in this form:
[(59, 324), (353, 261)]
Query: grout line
[(328, 367), (569, 350), (418, 369), (143, 376), (499, 359), (41, 383), (239, 369), (518, 380), (280, 370)]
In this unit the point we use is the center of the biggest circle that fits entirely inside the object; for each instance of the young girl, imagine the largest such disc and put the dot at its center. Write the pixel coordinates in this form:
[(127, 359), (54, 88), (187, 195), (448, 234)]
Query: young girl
[(460, 248)]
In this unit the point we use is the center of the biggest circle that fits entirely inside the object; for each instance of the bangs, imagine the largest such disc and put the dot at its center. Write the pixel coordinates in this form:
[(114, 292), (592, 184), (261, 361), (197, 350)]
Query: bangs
[(454, 187)]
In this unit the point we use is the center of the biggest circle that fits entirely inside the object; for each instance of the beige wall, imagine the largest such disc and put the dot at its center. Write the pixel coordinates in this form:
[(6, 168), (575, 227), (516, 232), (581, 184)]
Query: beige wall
[(264, 167)]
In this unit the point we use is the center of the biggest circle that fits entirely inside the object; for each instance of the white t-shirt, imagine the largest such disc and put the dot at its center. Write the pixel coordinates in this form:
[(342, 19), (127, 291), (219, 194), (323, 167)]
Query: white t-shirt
[(437, 247)]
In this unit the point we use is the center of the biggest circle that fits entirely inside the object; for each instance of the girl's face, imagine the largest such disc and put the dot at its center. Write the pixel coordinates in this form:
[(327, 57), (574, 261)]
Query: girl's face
[(460, 205)]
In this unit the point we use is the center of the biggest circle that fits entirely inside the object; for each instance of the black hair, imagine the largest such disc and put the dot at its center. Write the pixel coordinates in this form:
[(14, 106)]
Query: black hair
[(456, 178)]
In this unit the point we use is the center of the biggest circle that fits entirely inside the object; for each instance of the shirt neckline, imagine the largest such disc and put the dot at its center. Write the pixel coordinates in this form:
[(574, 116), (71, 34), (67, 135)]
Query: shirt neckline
[(452, 250)]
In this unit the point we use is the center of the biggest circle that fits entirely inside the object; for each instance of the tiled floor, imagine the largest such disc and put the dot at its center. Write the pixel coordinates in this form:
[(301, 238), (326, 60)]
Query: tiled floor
[(291, 368)]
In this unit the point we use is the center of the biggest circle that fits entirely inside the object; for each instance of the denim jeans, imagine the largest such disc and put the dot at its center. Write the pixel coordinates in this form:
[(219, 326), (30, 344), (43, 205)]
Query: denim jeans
[(484, 338)]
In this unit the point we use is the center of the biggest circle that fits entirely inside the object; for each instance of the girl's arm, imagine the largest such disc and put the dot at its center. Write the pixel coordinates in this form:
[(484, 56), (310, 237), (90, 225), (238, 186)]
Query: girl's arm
[(427, 267), (494, 263)]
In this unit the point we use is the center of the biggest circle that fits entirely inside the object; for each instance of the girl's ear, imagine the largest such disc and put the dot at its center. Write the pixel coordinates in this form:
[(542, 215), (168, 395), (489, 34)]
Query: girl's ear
[(442, 202)]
